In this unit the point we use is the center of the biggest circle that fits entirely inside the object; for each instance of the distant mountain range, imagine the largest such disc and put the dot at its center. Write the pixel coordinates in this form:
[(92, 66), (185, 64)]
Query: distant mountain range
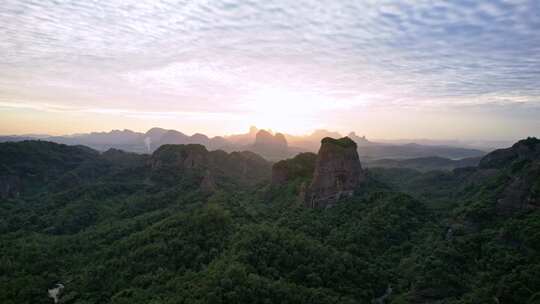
[(264, 142), (425, 164)]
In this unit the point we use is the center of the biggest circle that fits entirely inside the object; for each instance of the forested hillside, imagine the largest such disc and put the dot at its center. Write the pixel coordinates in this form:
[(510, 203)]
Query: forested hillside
[(188, 225)]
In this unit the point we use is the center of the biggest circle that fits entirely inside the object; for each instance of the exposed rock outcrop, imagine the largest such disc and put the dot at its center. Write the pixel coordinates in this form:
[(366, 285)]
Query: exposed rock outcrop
[(266, 139), (520, 179), (271, 146), (337, 173), (56, 292), (522, 192), (524, 150)]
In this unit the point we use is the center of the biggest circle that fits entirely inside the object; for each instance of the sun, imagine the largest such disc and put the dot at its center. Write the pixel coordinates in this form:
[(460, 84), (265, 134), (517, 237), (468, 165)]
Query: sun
[(285, 110)]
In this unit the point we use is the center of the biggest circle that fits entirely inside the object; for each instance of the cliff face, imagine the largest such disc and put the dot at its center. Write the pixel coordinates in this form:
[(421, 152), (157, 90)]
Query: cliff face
[(270, 146), (524, 150), (265, 139), (519, 182), (522, 192), (337, 173)]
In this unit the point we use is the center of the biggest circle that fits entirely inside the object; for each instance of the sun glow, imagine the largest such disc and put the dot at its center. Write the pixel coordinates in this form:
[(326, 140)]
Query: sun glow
[(290, 111)]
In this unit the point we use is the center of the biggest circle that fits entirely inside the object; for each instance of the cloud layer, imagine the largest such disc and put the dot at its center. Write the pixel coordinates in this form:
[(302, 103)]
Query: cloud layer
[(226, 57)]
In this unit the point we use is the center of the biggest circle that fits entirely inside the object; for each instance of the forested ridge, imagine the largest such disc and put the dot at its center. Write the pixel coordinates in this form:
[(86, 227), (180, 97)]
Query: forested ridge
[(187, 225)]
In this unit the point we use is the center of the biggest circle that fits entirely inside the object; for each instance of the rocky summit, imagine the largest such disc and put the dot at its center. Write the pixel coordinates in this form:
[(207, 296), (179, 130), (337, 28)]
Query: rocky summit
[(522, 151), (265, 139), (337, 173), (519, 180), (273, 147)]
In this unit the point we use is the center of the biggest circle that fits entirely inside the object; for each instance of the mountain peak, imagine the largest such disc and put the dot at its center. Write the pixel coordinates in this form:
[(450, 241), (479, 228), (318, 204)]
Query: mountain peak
[(266, 142), (525, 149), (300, 166), (532, 143), (155, 131), (337, 173), (344, 142)]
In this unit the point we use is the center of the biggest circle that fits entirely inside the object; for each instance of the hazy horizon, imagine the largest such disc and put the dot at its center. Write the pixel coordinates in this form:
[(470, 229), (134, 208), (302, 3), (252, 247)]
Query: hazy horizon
[(395, 70), (480, 143)]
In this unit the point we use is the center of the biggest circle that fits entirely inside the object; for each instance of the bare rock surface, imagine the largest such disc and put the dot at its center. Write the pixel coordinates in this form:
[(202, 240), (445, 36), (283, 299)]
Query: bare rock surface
[(337, 173)]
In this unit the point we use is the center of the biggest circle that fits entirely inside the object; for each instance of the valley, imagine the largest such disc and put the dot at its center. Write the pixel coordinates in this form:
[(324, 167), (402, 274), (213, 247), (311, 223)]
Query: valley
[(188, 225)]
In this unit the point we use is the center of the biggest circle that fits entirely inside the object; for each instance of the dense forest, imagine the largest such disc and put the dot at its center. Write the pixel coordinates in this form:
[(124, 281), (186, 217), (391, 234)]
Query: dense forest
[(187, 225)]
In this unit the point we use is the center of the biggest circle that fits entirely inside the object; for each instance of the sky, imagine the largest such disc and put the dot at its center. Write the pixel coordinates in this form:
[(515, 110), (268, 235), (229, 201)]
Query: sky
[(386, 69)]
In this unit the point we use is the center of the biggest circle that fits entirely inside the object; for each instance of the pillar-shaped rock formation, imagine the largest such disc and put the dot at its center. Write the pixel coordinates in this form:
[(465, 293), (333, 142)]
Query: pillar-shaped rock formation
[(337, 173)]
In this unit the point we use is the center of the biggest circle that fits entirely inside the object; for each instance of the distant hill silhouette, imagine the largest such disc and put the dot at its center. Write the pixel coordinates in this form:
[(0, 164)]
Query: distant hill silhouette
[(425, 163), (271, 146)]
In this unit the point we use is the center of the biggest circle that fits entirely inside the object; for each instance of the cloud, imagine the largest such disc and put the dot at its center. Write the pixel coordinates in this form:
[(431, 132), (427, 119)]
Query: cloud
[(150, 115), (212, 56)]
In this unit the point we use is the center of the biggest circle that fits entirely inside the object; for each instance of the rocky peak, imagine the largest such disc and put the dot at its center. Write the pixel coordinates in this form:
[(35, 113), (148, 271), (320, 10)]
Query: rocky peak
[(265, 139), (520, 167), (301, 166), (199, 138), (155, 132), (270, 146), (280, 139), (337, 173), (263, 136), (173, 137), (526, 149)]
